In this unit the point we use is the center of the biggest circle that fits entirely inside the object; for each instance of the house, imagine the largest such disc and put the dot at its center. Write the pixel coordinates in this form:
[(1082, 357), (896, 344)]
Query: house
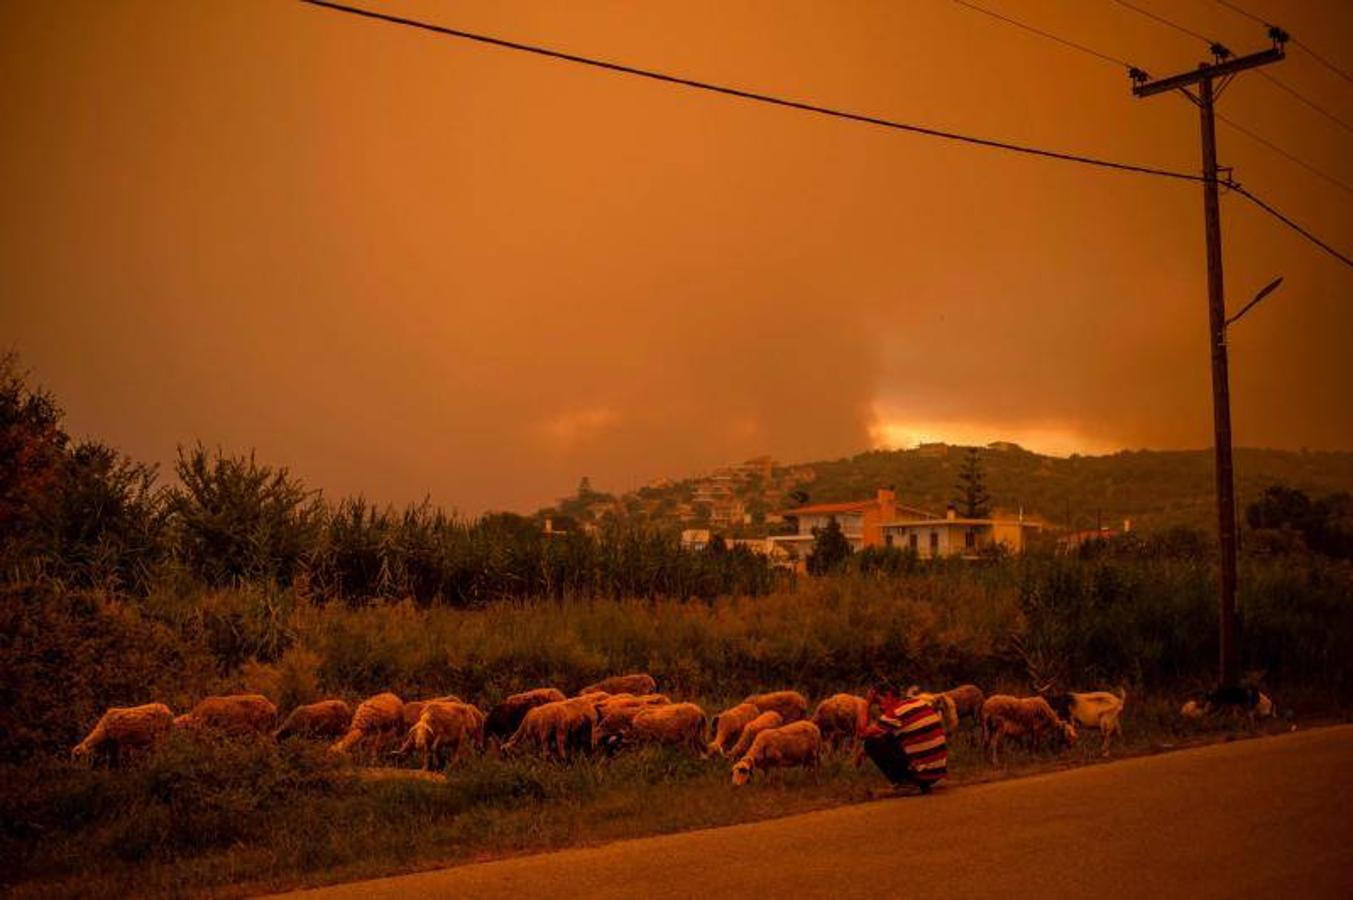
[(931, 537), (860, 522)]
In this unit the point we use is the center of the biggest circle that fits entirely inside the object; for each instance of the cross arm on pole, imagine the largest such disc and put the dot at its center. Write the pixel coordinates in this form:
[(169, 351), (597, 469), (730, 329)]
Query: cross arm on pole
[(1215, 70)]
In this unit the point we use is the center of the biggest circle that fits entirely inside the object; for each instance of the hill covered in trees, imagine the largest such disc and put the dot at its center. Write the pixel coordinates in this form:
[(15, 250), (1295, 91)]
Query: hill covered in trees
[(1155, 489)]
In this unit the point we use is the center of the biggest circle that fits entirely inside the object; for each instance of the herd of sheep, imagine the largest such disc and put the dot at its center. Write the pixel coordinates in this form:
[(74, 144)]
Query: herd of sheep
[(765, 731)]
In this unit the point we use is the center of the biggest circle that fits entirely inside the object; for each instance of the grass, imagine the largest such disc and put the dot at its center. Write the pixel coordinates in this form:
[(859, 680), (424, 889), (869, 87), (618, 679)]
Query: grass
[(230, 818)]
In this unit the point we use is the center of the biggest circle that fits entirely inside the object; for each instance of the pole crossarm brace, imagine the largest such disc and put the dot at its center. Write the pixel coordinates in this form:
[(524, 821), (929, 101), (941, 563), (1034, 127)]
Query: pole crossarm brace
[(1216, 70)]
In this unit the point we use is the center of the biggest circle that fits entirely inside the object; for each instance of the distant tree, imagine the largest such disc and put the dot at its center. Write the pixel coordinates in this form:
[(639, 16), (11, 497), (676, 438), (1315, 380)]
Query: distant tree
[(1325, 525), (972, 499), (831, 549)]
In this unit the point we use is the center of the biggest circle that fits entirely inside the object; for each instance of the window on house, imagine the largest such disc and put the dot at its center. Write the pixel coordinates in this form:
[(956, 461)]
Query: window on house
[(888, 539), (911, 541), (970, 539), (934, 543)]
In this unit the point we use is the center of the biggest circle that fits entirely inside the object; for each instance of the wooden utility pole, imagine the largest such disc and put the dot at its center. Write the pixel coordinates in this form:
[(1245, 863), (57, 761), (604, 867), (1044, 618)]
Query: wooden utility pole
[(1211, 79)]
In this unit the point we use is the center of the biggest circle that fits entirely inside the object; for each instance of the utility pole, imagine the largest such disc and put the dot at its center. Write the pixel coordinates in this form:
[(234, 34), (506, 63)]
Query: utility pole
[(1211, 79)]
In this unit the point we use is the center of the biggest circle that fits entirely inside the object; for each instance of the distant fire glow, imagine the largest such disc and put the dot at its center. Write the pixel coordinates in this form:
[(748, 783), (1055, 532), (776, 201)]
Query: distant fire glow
[(893, 431)]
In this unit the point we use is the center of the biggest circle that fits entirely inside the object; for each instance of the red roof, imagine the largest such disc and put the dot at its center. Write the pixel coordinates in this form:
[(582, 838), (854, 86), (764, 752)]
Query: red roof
[(820, 508)]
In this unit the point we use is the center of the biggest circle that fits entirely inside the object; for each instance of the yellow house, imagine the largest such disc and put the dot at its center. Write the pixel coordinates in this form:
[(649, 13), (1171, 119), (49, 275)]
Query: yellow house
[(955, 536)]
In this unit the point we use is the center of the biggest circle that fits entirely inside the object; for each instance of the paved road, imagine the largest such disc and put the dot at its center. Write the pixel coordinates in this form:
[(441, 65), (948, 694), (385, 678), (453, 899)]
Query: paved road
[(1271, 817)]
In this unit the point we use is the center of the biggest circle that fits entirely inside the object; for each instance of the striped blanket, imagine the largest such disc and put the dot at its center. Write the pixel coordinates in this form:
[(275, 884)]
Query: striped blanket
[(917, 728)]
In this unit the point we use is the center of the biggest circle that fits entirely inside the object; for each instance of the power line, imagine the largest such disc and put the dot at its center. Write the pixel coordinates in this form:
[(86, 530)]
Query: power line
[(1213, 43), (1283, 153), (1047, 34), (1164, 21), (808, 107), (1309, 102), (1291, 224), (1309, 52), (752, 95), (1231, 122)]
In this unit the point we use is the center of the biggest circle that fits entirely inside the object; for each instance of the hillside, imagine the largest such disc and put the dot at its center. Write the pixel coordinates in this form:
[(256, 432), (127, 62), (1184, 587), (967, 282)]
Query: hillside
[(1154, 488)]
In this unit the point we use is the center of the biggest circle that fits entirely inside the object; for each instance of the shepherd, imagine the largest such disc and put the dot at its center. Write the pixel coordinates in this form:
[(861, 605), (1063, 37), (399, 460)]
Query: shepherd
[(907, 742)]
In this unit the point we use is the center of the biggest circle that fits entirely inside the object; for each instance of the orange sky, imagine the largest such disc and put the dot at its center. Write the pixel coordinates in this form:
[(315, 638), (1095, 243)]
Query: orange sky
[(407, 265)]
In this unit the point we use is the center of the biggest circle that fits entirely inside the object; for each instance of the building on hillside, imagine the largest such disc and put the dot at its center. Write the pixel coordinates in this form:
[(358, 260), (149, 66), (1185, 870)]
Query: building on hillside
[(930, 537), (860, 522), (695, 538)]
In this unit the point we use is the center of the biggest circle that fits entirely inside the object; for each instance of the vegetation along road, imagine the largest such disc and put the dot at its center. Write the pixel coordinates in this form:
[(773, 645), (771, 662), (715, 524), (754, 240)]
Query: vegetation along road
[(1259, 818)]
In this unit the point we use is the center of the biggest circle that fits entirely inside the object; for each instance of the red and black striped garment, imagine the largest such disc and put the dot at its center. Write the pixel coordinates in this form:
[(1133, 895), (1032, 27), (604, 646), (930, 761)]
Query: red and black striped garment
[(921, 732)]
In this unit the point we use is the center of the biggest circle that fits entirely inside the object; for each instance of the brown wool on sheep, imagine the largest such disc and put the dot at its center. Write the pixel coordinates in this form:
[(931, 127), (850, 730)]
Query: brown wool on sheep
[(325, 718), (232, 714), (791, 705), (728, 726), (124, 728)]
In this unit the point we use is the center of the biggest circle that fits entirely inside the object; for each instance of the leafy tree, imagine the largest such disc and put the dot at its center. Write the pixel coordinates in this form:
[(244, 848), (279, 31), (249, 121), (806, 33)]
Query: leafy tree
[(32, 457), (234, 518), (831, 549), (973, 499), (105, 528)]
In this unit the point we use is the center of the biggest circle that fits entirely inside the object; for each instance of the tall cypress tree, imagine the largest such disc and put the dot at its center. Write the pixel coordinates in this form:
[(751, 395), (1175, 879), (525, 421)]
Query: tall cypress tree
[(973, 499)]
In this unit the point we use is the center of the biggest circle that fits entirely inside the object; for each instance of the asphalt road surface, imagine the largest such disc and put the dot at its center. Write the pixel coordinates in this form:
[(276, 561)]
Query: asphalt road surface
[(1271, 817)]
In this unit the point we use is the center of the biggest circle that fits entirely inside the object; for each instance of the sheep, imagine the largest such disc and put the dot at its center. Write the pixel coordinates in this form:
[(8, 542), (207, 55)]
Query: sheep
[(124, 728), (443, 726), (233, 714), (1096, 709), (796, 744), (1005, 716), (504, 719), (634, 683), (675, 724), (558, 726), (967, 698), (762, 722), (377, 718), (413, 709), (327, 718), (840, 718), (728, 726), (791, 705), (614, 723)]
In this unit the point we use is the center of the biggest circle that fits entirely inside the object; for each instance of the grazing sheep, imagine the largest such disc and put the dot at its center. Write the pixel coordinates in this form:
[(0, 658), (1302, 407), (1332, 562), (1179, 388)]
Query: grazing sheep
[(968, 700), (1096, 709), (796, 744), (674, 724), (1004, 716), (614, 723), (634, 683), (791, 705), (505, 718), (556, 727), (840, 718), (728, 726), (762, 722), (233, 714), (442, 728), (377, 718), (413, 709), (125, 728), (327, 718), (964, 700)]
